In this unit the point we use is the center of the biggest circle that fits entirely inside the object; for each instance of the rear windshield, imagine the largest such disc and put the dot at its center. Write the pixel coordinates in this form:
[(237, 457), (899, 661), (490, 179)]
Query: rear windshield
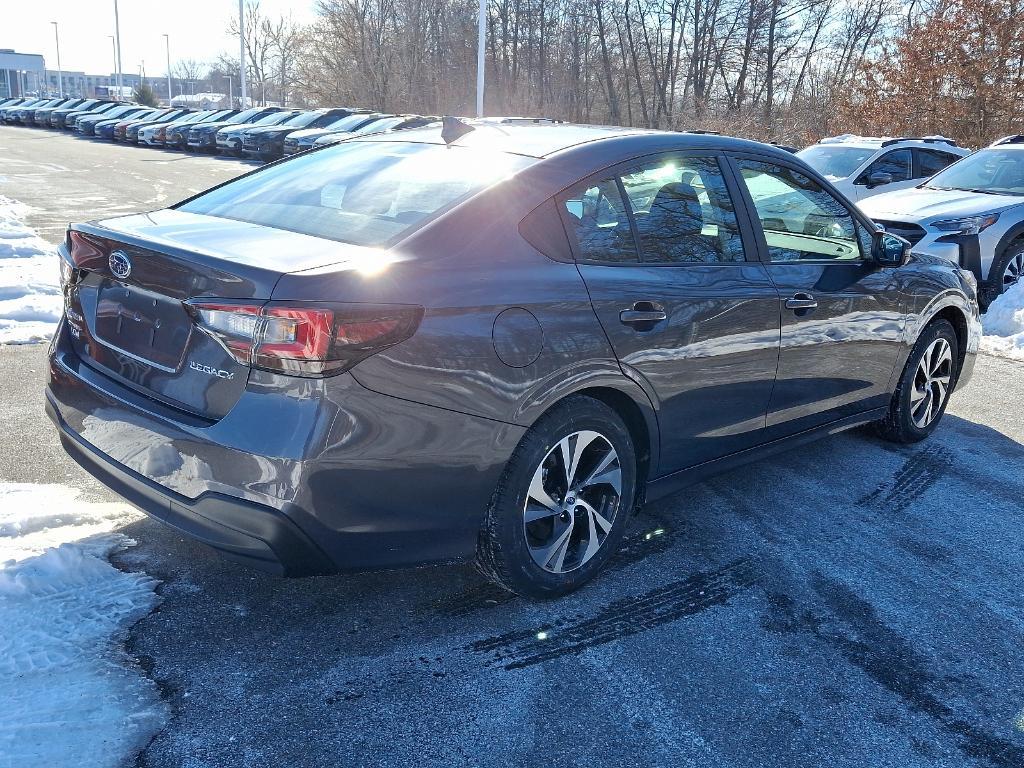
[(359, 192)]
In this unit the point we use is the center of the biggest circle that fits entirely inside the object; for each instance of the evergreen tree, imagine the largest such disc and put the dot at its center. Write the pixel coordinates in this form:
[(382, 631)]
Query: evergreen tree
[(144, 95)]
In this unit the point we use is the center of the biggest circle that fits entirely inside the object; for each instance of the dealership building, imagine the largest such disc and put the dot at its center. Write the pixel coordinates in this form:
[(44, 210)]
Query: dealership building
[(21, 73), (26, 73)]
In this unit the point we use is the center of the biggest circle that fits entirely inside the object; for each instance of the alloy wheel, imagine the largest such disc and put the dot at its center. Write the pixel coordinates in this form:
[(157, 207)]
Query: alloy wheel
[(572, 501), (1014, 270), (931, 383)]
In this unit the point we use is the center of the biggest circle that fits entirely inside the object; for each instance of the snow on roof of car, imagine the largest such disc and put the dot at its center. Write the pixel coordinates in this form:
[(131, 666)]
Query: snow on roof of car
[(852, 139)]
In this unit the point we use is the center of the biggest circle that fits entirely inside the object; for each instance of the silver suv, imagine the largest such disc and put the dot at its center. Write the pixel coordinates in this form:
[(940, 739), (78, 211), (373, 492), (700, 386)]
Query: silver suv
[(971, 213), (861, 166)]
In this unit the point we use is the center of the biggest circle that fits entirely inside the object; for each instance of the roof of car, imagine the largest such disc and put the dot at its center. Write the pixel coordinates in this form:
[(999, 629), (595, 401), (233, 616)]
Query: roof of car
[(877, 142), (541, 138)]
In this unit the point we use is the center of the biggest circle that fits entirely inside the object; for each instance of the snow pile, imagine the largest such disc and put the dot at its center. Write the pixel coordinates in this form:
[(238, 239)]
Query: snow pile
[(1003, 324), (69, 695), (30, 297)]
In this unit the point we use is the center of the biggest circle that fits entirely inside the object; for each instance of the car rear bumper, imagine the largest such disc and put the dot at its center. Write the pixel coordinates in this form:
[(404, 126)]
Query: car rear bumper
[(320, 476), (256, 535)]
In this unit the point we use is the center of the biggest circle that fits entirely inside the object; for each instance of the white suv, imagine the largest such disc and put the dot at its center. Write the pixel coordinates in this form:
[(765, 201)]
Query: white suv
[(861, 167), (971, 213)]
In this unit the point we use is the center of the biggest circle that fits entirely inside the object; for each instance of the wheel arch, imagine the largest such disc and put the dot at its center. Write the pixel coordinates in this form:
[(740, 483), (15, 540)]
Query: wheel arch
[(620, 393), (1012, 235), (958, 320), (953, 307)]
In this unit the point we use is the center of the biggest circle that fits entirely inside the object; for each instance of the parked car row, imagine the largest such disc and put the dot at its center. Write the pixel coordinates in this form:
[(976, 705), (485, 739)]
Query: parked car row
[(943, 199), (262, 133)]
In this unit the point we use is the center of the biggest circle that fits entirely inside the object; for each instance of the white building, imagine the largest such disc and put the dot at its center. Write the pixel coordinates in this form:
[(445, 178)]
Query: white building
[(21, 73)]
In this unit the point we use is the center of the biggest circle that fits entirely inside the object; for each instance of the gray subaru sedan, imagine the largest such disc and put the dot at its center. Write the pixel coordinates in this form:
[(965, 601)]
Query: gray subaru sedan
[(488, 340)]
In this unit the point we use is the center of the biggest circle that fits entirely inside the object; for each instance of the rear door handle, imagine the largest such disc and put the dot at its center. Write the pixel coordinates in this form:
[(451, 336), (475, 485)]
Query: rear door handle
[(643, 316), (802, 301)]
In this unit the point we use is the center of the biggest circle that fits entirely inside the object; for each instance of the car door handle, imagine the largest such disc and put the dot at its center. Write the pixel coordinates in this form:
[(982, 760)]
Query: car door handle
[(643, 316), (802, 301)]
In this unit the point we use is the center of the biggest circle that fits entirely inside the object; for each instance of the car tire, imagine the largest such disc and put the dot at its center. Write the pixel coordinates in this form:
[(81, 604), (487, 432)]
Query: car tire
[(1011, 260), (925, 386), (527, 548)]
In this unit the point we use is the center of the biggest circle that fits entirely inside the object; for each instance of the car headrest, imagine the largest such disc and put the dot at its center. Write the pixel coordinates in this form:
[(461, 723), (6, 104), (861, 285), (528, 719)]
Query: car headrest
[(675, 206)]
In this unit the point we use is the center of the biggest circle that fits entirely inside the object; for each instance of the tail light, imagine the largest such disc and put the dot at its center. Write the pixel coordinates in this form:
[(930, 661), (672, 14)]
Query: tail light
[(305, 340), (87, 252)]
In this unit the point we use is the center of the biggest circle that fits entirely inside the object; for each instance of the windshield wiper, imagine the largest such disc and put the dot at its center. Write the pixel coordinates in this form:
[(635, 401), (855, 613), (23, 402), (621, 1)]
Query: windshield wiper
[(979, 191)]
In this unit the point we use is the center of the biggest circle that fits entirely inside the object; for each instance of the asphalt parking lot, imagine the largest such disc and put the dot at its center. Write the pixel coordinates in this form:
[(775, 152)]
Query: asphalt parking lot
[(849, 603)]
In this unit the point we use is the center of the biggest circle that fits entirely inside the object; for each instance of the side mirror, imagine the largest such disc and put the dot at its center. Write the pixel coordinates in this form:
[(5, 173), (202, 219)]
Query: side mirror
[(877, 179), (889, 250)]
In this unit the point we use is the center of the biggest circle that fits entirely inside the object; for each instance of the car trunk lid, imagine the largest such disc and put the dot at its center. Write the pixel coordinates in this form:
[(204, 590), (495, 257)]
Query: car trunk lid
[(132, 310)]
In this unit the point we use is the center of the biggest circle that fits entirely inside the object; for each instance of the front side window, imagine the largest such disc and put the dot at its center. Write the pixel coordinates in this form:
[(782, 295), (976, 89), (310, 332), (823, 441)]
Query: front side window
[(800, 219), (360, 192), (931, 161), (683, 212), (600, 223), (896, 164)]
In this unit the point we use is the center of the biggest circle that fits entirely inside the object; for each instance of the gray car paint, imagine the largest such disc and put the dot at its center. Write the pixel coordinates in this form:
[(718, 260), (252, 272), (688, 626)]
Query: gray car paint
[(395, 461)]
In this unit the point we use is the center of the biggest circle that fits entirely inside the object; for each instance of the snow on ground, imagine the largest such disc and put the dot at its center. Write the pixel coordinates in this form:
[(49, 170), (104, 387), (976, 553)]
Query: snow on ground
[(69, 694), (1004, 324), (30, 297)]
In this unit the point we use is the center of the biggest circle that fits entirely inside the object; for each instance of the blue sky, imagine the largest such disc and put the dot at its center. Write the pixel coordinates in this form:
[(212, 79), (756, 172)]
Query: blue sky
[(196, 28)]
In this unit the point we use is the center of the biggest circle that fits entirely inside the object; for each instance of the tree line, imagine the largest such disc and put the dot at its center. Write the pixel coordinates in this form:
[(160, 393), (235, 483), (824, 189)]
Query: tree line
[(781, 70)]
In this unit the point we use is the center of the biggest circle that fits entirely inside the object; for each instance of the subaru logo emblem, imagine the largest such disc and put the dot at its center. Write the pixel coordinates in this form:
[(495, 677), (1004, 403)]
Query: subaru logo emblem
[(120, 264)]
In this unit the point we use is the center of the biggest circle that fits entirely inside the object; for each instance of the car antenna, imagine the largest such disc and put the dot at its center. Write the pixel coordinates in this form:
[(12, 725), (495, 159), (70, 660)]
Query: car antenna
[(453, 129)]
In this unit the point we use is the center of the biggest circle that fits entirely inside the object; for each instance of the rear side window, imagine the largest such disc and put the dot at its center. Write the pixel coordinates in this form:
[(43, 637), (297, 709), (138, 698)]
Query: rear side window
[(360, 192), (683, 212), (931, 161), (680, 208), (600, 223)]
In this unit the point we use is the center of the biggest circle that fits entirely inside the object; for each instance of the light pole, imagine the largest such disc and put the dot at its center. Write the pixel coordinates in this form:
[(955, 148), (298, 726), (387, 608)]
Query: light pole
[(169, 93), (113, 47), (481, 39), (241, 49), (231, 92), (60, 74), (117, 49)]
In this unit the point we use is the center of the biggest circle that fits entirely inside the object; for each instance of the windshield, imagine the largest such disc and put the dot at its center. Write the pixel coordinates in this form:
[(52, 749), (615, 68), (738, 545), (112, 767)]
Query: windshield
[(119, 111), (348, 123), (216, 116), (380, 125), (245, 116), (835, 162), (274, 119), (993, 171), (302, 119), (363, 192), (193, 117)]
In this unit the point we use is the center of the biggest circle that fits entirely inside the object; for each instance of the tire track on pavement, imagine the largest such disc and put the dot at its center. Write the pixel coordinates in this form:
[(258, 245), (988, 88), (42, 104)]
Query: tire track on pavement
[(620, 618)]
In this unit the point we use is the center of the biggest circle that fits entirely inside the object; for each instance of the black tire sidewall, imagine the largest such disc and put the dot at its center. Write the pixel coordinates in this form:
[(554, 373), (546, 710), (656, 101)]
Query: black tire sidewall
[(511, 562), (994, 284), (905, 422)]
